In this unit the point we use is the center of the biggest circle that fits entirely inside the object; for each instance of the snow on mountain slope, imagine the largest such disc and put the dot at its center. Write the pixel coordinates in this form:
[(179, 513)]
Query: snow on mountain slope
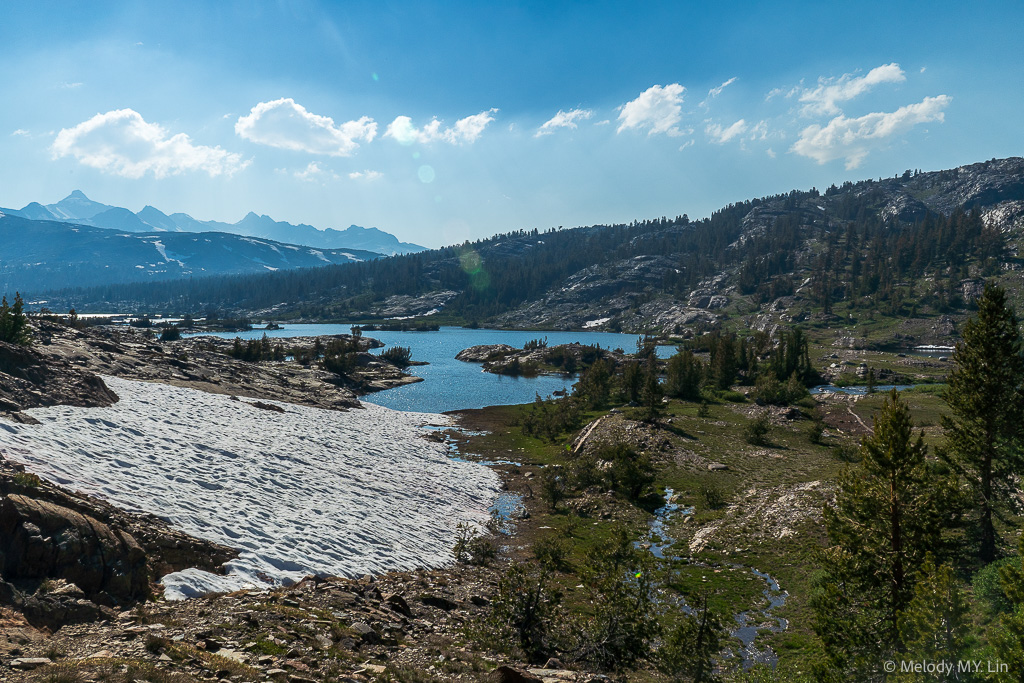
[(307, 491)]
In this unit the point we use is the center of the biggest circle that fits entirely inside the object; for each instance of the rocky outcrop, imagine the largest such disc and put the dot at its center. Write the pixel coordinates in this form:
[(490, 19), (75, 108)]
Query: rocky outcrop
[(30, 378), (47, 540), (484, 352), (65, 557), (563, 359)]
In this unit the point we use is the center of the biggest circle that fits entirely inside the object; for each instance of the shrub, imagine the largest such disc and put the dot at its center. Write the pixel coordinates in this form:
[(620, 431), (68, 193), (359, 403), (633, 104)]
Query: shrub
[(584, 472), (552, 487), (471, 547), (172, 333), (27, 480), (552, 553), (397, 355), (815, 430), (712, 496), (524, 609), (631, 473), (756, 431)]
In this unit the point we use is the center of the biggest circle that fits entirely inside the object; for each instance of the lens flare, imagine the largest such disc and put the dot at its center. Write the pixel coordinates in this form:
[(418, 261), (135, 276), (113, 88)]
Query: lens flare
[(426, 174), (473, 265)]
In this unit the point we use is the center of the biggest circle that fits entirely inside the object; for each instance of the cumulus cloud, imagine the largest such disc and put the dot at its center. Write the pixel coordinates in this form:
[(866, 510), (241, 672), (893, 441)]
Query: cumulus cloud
[(365, 175), (563, 119), (286, 124), (720, 135), (467, 130), (122, 143), (852, 139), (657, 110), (823, 99)]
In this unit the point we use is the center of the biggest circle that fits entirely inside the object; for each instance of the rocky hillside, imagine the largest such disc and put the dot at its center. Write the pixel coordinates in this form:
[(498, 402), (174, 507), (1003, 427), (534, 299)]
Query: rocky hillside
[(900, 257)]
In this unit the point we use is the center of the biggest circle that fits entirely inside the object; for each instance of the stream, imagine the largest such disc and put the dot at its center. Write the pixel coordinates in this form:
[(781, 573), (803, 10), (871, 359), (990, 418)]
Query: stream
[(748, 623)]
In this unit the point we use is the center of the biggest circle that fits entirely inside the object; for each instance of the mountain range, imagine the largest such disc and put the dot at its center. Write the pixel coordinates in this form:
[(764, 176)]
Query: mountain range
[(77, 208), (45, 254)]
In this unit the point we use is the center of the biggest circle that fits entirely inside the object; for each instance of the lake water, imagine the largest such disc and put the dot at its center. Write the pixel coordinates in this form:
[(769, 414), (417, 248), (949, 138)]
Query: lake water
[(450, 384)]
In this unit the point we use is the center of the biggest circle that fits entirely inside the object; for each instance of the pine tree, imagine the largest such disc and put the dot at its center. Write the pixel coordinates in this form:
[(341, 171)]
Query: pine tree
[(683, 376), (937, 623), (651, 392), (884, 523), (1007, 637), (14, 327), (985, 431)]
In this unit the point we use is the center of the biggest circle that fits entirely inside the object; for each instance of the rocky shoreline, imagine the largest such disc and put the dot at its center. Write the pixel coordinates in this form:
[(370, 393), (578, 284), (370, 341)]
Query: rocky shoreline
[(62, 368)]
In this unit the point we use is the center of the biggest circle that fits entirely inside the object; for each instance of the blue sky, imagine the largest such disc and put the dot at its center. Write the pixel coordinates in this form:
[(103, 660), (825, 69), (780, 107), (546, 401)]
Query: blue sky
[(441, 122)]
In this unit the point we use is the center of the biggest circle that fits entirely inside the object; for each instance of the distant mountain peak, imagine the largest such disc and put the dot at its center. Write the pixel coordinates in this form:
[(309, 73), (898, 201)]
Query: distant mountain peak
[(77, 194)]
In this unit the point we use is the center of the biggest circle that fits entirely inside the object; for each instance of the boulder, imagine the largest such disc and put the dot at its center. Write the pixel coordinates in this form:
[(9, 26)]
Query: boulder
[(46, 540), (507, 674)]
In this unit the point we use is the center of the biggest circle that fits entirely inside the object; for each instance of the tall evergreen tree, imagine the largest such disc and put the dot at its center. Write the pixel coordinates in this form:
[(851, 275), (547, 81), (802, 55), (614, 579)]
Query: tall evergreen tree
[(14, 327), (985, 431), (884, 523), (651, 392)]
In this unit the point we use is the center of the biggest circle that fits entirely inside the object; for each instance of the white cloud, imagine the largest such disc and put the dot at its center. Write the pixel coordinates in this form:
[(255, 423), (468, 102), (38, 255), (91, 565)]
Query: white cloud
[(314, 172), (688, 143), (720, 135), (70, 86), (770, 152), (852, 139), (287, 125), (563, 119), (20, 132), (823, 99), (776, 92), (658, 109), (365, 175), (715, 92), (467, 130), (122, 143), (759, 131)]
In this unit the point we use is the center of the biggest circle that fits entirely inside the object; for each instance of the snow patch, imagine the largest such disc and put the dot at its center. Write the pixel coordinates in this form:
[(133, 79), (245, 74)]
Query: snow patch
[(307, 491), (595, 323), (163, 252)]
